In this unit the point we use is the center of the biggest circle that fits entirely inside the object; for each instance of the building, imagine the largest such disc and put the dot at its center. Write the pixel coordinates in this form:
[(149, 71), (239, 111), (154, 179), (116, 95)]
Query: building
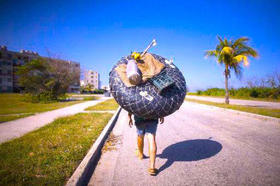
[(6, 71), (82, 83), (92, 78), (10, 60)]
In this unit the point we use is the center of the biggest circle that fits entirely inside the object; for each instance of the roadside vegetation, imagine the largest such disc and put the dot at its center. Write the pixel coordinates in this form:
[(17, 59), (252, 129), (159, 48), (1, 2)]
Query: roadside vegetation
[(264, 89), (89, 89), (110, 104), (46, 79), (255, 110), (258, 94), (49, 155), (15, 106)]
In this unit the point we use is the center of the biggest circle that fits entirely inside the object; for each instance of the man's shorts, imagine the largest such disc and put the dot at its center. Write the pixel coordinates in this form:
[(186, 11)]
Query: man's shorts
[(147, 127)]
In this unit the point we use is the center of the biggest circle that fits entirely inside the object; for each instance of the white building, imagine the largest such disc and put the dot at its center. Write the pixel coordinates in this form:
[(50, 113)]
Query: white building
[(82, 83), (91, 77)]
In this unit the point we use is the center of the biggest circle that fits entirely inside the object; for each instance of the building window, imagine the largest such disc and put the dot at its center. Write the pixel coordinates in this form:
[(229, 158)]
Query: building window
[(9, 80), (9, 72), (0, 80), (9, 56), (0, 54)]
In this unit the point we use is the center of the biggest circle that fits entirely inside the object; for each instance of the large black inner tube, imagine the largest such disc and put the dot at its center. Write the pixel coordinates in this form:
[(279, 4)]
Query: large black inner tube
[(145, 100)]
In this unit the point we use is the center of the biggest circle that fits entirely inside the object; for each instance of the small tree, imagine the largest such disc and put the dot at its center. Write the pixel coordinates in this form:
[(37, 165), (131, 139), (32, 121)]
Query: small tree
[(44, 80), (231, 53)]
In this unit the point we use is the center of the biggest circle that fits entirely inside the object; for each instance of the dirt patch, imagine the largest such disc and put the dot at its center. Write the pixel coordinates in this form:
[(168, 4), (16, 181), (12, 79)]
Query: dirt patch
[(111, 143)]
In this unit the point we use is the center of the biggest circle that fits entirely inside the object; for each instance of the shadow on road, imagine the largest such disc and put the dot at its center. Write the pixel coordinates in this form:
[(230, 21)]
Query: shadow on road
[(189, 150)]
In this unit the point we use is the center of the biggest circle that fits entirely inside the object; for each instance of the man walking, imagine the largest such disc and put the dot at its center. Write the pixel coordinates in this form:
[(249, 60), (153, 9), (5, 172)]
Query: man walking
[(149, 127)]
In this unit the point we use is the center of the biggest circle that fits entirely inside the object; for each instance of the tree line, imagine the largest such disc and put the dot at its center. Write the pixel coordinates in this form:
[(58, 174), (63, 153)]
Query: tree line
[(266, 87)]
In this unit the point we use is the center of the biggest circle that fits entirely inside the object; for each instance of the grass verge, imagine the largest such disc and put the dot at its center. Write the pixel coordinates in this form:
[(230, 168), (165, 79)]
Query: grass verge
[(110, 104), (13, 104), (49, 155), (12, 117), (236, 97), (255, 110)]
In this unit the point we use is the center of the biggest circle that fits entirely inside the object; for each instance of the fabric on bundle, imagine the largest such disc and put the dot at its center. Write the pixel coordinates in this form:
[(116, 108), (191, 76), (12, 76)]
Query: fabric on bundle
[(148, 65), (144, 100)]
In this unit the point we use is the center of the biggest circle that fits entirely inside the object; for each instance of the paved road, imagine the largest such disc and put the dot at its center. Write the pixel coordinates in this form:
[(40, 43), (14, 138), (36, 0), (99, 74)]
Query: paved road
[(16, 128), (264, 104), (197, 145)]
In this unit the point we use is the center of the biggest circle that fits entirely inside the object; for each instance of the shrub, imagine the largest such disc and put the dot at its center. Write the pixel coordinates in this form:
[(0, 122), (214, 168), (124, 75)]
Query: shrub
[(254, 93), (244, 92)]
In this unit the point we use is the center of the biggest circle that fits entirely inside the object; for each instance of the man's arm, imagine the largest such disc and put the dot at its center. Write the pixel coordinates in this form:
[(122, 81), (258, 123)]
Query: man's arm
[(130, 123), (161, 120)]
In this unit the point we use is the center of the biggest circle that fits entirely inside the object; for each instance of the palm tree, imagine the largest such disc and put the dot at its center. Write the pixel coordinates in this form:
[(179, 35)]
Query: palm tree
[(231, 53)]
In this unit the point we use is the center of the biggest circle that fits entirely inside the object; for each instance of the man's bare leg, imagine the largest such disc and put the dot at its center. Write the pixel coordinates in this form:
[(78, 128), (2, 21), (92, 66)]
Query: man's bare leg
[(152, 150), (140, 145)]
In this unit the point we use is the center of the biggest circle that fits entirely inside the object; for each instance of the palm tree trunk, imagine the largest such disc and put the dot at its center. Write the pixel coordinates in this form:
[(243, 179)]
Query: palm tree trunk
[(226, 85)]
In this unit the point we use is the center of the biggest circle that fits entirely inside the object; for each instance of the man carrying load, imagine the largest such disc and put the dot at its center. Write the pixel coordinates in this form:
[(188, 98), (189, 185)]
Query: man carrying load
[(149, 127)]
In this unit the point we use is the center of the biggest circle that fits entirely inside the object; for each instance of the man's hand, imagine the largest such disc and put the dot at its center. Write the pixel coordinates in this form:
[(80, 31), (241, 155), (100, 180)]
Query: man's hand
[(130, 122), (161, 120)]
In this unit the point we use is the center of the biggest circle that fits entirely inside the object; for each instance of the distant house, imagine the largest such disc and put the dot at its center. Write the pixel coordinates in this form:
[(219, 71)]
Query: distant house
[(92, 77)]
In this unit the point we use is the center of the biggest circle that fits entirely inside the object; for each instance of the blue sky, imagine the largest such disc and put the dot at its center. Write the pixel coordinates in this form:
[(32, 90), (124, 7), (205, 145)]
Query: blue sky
[(98, 33)]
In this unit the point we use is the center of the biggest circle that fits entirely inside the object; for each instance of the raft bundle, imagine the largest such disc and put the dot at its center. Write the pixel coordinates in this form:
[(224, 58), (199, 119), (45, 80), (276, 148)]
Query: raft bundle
[(147, 85)]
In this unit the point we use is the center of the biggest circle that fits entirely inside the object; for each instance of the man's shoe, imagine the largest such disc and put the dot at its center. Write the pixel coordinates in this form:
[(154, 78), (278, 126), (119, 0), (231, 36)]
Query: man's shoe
[(153, 172)]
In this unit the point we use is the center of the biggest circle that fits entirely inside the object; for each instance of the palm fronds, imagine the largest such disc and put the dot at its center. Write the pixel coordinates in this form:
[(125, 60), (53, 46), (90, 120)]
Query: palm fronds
[(232, 53)]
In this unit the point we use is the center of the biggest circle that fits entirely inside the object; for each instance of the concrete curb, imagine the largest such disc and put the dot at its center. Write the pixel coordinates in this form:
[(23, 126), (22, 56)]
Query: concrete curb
[(266, 118), (83, 172)]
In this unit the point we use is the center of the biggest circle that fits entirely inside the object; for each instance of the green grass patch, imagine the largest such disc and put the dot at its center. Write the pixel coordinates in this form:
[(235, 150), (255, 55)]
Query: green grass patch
[(49, 155), (11, 104), (85, 97), (237, 97), (192, 93), (90, 98), (255, 110), (110, 104), (12, 117)]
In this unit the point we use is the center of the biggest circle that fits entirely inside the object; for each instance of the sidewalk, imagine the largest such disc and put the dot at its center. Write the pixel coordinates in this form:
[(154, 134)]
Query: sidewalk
[(17, 128), (251, 103)]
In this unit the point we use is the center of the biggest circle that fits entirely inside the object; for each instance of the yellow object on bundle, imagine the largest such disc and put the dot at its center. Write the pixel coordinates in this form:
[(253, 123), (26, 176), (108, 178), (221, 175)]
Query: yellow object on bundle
[(136, 55)]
